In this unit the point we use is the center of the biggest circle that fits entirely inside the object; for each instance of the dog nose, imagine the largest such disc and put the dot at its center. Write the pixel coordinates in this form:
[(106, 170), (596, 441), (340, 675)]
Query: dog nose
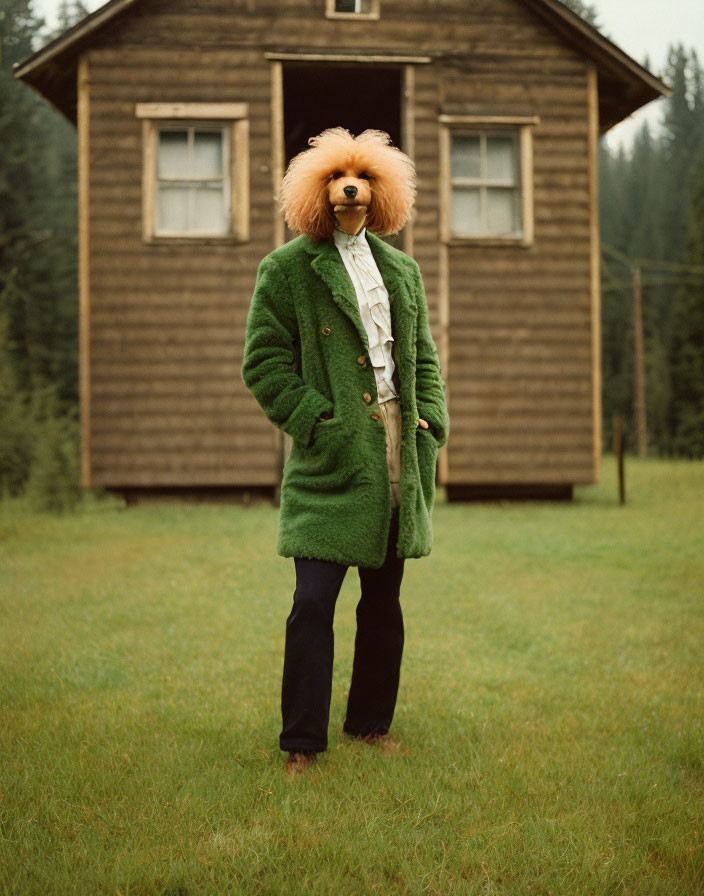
[(350, 192)]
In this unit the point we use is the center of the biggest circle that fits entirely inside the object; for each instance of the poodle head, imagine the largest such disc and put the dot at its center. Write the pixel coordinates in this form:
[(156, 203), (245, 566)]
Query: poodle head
[(340, 174)]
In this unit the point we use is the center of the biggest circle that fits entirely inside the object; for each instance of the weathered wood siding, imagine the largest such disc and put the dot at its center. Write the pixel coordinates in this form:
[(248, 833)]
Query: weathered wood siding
[(520, 368), (167, 322)]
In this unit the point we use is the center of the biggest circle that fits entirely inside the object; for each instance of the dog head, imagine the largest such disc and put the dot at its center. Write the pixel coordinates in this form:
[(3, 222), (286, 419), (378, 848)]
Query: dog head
[(345, 175)]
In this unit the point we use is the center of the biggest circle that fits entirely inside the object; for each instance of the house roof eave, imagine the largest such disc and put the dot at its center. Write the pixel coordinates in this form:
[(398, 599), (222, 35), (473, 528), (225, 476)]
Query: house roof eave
[(626, 84), (636, 85), (77, 32)]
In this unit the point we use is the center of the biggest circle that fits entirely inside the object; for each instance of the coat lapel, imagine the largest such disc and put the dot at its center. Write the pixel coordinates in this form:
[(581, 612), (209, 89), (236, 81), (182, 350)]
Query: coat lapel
[(395, 274), (328, 265)]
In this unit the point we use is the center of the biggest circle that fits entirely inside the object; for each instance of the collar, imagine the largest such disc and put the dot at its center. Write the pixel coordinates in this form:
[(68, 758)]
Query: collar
[(394, 265), (396, 270), (345, 240)]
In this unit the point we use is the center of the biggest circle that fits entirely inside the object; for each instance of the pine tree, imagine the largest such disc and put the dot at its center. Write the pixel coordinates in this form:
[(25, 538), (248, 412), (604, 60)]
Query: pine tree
[(586, 11), (38, 249), (38, 219), (683, 135), (22, 228), (687, 348), (645, 196)]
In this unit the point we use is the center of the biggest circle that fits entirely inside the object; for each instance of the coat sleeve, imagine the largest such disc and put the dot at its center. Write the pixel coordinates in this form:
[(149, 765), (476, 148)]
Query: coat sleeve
[(268, 367), (430, 386)]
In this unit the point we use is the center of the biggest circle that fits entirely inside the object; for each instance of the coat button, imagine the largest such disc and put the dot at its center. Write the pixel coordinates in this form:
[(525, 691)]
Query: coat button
[(367, 397), (362, 361), (326, 331)]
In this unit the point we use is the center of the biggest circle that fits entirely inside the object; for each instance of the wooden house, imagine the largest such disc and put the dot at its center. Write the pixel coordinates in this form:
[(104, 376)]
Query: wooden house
[(187, 114)]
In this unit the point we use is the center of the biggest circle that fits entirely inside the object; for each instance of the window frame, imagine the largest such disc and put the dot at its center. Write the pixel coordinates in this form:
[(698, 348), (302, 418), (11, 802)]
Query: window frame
[(332, 13), (233, 120), (488, 125)]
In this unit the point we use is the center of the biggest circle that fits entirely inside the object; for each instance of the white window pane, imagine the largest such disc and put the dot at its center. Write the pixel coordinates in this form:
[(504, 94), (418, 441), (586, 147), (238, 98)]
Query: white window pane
[(500, 157), (464, 217), (173, 154), (172, 209), (207, 150), (209, 210), (465, 156), (501, 211)]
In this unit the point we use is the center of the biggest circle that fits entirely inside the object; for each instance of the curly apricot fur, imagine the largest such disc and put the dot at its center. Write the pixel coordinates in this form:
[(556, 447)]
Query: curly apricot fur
[(304, 189)]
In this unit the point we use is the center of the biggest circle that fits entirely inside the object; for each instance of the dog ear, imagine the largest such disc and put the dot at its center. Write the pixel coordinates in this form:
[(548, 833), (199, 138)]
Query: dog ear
[(394, 184)]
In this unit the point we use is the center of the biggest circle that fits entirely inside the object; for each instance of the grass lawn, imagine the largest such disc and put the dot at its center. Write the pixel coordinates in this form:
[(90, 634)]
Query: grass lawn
[(551, 707)]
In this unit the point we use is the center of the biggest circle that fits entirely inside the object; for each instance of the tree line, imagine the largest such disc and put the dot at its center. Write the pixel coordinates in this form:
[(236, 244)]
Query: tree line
[(651, 206), (651, 210)]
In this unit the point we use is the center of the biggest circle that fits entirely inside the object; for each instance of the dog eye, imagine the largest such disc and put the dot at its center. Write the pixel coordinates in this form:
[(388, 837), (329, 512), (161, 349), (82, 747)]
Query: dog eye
[(364, 176), (336, 175)]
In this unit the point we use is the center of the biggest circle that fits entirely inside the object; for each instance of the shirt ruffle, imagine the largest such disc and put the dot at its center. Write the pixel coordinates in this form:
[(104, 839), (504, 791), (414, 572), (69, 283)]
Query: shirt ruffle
[(374, 307)]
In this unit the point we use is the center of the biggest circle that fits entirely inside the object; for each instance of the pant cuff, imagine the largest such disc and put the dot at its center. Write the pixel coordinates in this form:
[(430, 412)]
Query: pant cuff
[(366, 731), (301, 747)]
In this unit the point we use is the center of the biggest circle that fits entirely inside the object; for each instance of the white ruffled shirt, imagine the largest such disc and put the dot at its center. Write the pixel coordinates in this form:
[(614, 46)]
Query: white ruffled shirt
[(374, 308)]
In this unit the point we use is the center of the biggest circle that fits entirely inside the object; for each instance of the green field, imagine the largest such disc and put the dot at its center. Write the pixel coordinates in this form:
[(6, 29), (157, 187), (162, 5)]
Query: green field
[(551, 707)]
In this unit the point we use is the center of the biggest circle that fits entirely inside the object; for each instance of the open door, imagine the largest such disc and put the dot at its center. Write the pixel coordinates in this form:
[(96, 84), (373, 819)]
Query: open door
[(324, 95), (313, 96)]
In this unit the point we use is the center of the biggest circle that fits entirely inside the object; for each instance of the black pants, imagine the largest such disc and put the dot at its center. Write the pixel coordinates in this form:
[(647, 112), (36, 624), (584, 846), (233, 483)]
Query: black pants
[(308, 656)]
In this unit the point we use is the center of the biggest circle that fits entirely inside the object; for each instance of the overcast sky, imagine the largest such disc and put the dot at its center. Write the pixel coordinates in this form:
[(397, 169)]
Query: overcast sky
[(642, 28)]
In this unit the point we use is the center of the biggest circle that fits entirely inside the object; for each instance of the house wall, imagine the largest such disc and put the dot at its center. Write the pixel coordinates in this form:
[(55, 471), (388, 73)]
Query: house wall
[(168, 406), (167, 322), (521, 332)]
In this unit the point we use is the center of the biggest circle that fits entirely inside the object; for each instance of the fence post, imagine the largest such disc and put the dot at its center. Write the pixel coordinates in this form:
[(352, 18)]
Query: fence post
[(618, 451)]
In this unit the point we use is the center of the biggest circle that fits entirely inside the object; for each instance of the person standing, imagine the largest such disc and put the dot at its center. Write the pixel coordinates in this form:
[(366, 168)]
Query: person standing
[(339, 354)]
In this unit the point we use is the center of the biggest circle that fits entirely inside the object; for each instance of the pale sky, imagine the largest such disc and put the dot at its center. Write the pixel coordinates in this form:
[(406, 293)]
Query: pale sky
[(639, 27)]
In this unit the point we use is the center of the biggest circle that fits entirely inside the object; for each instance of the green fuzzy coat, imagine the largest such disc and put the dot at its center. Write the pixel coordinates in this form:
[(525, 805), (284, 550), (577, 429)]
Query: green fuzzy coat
[(306, 353)]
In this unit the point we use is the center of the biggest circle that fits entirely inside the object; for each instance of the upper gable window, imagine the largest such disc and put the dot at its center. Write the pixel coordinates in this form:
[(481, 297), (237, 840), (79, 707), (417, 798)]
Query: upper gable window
[(352, 9), (488, 180), (195, 171)]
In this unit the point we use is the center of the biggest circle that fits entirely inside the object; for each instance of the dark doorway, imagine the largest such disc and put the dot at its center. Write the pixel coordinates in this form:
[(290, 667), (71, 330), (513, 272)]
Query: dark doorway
[(356, 97)]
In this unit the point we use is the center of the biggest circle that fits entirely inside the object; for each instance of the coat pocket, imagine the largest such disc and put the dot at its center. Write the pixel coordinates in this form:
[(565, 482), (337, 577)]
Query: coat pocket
[(325, 465), (327, 423), (427, 450)]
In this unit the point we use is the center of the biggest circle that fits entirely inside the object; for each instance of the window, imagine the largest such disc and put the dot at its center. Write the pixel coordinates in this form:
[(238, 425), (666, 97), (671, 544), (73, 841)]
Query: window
[(485, 192), (352, 9), (488, 180), (192, 183), (196, 171)]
